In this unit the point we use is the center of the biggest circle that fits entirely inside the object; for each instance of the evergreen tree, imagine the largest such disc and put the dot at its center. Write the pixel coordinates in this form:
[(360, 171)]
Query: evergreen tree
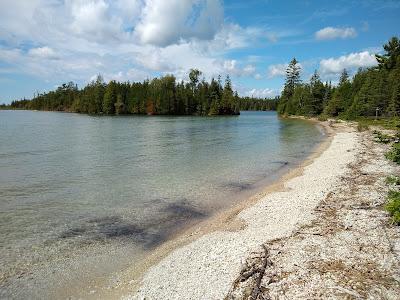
[(341, 97), (110, 97), (344, 77), (119, 106), (227, 101), (394, 107), (317, 95), (292, 77), (286, 105), (194, 76), (390, 58)]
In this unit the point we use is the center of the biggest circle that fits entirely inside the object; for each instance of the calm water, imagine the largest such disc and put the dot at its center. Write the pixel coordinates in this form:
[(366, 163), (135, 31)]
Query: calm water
[(83, 196)]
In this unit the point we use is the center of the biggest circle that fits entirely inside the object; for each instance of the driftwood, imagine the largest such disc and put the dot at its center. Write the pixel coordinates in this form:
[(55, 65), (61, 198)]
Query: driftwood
[(248, 284), (257, 293)]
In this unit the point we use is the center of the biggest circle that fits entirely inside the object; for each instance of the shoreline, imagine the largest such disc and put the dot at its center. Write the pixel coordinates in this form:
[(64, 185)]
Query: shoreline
[(297, 239), (107, 282), (227, 220)]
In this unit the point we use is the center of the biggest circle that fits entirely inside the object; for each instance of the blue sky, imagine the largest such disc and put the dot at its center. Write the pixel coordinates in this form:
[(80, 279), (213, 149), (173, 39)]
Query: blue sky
[(44, 43)]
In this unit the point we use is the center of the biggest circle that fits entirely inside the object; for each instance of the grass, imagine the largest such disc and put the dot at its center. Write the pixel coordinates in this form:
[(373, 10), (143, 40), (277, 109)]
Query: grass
[(393, 206), (362, 127), (387, 123), (393, 180), (394, 153)]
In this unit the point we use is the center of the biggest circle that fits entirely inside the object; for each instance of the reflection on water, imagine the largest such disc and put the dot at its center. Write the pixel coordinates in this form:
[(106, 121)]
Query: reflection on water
[(72, 186)]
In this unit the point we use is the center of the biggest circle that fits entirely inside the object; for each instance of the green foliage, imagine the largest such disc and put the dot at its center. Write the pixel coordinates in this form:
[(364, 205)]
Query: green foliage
[(393, 206), (250, 103), (392, 180), (394, 106), (110, 98), (372, 92), (362, 127), (394, 153), (387, 123), (382, 138), (390, 58), (162, 96), (292, 76)]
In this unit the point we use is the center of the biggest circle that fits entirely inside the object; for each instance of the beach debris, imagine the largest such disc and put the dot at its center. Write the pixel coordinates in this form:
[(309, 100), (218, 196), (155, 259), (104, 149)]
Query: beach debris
[(349, 251), (248, 285)]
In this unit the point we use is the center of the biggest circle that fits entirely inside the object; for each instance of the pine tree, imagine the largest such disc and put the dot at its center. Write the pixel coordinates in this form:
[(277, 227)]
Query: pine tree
[(285, 105), (119, 105), (292, 76), (394, 107), (110, 97), (389, 59), (344, 77), (227, 106), (317, 94)]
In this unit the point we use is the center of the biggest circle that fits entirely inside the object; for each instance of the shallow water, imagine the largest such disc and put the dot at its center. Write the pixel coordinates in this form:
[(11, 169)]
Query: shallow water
[(84, 196)]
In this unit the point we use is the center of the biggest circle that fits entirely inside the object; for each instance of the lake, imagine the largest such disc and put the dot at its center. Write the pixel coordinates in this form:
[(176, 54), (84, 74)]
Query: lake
[(84, 196)]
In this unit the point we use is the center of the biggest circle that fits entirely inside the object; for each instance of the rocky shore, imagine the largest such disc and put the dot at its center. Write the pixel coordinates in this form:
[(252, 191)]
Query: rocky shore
[(322, 233)]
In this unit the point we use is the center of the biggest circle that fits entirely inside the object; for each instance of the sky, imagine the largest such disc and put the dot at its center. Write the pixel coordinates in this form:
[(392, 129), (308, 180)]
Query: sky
[(44, 43)]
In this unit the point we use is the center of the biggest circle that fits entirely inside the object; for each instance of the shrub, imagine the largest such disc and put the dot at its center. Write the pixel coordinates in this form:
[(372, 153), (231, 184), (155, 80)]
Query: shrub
[(362, 127), (394, 153), (322, 117), (393, 206), (393, 180), (382, 138)]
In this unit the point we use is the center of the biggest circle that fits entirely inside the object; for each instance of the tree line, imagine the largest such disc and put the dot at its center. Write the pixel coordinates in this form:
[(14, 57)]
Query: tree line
[(160, 96), (372, 91), (252, 103)]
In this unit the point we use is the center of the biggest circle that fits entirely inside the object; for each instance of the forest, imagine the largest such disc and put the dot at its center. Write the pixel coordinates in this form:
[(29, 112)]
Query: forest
[(371, 92), (160, 96)]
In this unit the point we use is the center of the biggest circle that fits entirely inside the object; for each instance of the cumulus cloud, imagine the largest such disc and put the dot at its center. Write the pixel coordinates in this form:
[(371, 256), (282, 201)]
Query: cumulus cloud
[(167, 22), (121, 39), (331, 33), (351, 61), (92, 20), (277, 70), (232, 67)]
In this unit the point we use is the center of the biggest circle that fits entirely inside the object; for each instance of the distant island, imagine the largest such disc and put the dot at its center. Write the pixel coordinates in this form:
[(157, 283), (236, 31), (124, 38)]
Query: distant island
[(372, 92), (159, 96)]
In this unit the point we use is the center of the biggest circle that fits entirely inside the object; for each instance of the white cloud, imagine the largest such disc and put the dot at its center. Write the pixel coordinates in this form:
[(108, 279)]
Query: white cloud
[(277, 70), (130, 9), (121, 39), (262, 93), (232, 67), (331, 33), (43, 52), (233, 36), (168, 22), (132, 75), (249, 70), (351, 61), (91, 19)]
